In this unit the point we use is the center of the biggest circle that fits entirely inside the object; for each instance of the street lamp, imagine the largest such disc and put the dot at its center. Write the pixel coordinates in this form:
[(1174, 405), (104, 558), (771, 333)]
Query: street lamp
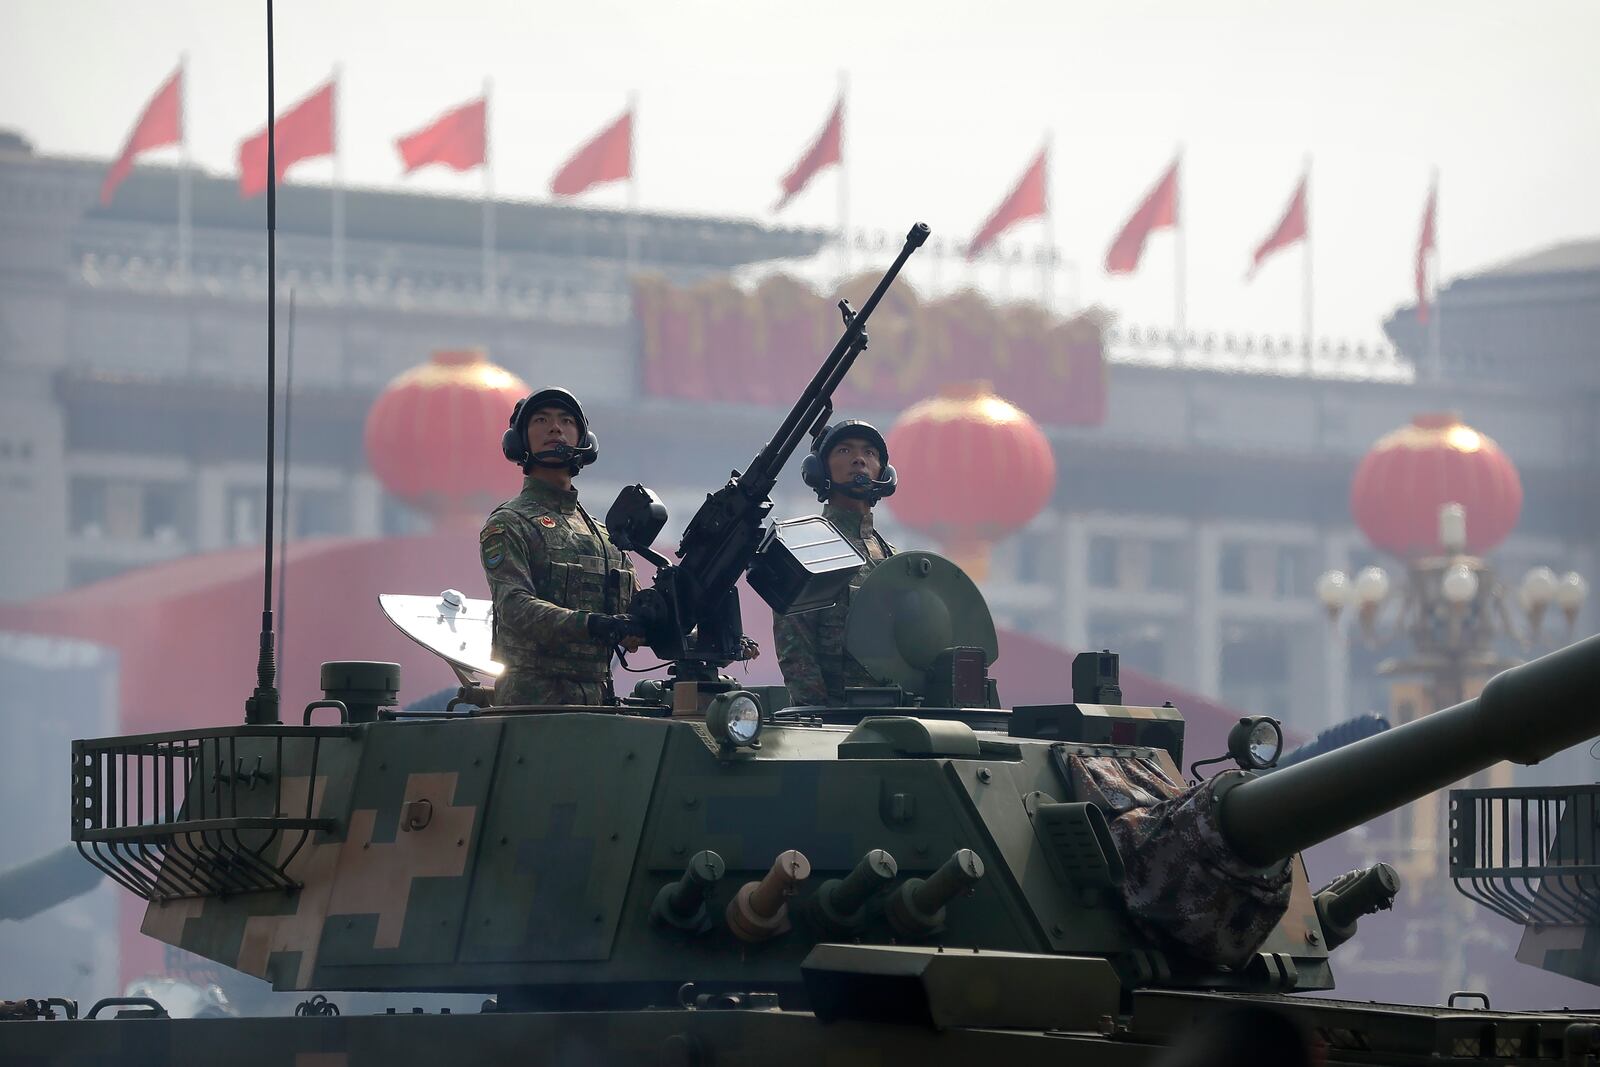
[(1452, 607), (1439, 496)]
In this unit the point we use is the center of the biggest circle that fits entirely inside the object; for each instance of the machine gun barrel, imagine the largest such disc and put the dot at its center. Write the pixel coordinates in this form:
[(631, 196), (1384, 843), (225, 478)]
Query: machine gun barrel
[(762, 473), (1524, 714), (690, 614)]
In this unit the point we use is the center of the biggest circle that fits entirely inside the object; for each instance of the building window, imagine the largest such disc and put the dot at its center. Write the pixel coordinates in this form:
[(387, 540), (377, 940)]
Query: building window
[(244, 515), (319, 514), (1103, 562), (1166, 566), (1140, 644), (124, 511), (1294, 572), (163, 511), (1030, 562), (400, 521), (1231, 568), (1255, 670), (88, 506)]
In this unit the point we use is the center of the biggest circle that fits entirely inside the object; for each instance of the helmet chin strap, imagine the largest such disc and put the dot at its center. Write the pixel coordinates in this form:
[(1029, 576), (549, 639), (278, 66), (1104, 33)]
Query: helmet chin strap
[(559, 456)]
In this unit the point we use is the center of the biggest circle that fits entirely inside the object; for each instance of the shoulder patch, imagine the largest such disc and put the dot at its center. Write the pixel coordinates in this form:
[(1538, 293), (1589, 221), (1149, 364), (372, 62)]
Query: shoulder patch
[(492, 545), (547, 522)]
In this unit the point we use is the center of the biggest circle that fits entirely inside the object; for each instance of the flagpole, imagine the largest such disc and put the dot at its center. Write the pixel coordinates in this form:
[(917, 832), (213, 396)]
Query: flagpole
[(844, 178), (1306, 296), (185, 193), (490, 282), (1435, 319), (337, 193), (1179, 260), (632, 263), (1048, 266)]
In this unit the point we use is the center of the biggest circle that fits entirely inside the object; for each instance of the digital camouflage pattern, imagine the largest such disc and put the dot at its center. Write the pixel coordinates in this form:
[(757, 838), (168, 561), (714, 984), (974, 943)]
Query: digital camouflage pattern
[(550, 565), (1183, 881), (810, 647), (1570, 950)]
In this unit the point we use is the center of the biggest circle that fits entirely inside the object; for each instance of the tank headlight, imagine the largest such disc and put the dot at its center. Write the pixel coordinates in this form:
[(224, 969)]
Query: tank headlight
[(734, 719), (1256, 742)]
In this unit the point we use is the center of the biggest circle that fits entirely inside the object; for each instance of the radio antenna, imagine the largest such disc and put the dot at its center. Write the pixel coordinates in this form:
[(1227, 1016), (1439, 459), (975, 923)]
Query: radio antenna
[(262, 707), (288, 454)]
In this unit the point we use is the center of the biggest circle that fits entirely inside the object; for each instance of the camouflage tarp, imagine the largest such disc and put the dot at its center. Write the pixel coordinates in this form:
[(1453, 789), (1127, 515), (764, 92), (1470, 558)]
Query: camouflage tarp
[(1183, 881)]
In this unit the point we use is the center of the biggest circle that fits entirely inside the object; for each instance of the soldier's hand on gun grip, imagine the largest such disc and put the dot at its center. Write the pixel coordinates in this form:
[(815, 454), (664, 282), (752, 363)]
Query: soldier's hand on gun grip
[(749, 649), (613, 628)]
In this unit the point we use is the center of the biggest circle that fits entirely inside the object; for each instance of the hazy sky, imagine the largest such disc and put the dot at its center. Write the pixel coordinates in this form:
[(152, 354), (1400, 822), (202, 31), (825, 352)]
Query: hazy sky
[(948, 102)]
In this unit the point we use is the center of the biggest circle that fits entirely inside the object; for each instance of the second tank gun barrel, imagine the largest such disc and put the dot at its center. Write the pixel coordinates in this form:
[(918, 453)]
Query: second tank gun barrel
[(1524, 714)]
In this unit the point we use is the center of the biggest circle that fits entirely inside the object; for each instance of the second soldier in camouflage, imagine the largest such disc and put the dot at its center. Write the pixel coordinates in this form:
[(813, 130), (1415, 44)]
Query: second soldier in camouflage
[(849, 469)]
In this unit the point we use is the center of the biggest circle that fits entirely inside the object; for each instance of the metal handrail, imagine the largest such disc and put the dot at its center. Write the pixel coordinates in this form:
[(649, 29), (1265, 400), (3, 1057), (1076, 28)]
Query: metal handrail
[(1529, 853), (197, 813)]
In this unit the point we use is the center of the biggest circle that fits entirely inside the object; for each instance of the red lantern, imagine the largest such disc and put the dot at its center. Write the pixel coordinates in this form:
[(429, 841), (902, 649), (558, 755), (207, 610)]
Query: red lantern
[(1410, 474), (973, 470), (433, 435)]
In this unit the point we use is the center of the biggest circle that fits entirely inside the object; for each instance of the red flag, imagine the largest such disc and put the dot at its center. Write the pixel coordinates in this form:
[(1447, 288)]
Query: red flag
[(1425, 244), (1158, 211), (161, 124), (1027, 201), (305, 131), (607, 158), (825, 151), (458, 139), (1290, 228)]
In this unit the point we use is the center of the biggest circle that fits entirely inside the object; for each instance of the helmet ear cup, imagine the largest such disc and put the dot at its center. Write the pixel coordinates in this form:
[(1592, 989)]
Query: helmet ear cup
[(514, 442), (508, 446), (814, 472)]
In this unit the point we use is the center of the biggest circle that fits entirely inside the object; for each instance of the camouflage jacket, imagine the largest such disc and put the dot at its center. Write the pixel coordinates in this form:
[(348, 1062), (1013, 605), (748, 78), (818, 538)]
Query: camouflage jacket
[(550, 566), (810, 647)]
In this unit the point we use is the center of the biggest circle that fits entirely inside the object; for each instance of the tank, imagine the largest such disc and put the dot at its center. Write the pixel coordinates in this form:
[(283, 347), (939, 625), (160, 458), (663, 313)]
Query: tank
[(704, 874)]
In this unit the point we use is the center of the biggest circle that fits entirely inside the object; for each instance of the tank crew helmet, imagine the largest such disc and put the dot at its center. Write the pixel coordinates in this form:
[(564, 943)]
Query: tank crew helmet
[(514, 442), (814, 468)]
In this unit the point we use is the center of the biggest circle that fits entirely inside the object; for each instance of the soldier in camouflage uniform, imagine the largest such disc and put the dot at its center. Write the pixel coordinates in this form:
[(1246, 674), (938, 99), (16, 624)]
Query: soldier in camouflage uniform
[(849, 469), (561, 589)]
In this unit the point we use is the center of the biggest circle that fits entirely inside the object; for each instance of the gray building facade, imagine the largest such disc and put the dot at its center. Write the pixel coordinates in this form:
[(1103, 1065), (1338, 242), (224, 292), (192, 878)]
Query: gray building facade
[(1186, 532)]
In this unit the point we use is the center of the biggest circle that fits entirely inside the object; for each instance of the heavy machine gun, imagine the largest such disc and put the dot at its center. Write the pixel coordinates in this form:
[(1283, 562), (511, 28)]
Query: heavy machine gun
[(690, 615)]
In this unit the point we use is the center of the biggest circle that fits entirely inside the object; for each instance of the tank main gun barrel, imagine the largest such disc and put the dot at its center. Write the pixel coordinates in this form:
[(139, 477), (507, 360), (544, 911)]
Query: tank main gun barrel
[(1524, 714)]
